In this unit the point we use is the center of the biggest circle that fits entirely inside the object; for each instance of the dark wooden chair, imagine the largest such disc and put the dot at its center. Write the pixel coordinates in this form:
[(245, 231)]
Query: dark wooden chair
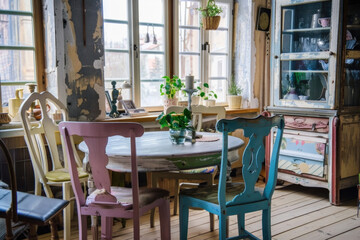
[(27, 208)]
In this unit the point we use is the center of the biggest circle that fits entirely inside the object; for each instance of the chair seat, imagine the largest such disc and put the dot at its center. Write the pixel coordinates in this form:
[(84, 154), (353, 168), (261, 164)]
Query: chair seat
[(61, 175), (124, 196), (210, 169), (38, 209), (210, 193)]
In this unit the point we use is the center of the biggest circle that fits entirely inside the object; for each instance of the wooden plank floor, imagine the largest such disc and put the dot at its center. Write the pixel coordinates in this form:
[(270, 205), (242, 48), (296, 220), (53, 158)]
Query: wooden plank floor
[(297, 213)]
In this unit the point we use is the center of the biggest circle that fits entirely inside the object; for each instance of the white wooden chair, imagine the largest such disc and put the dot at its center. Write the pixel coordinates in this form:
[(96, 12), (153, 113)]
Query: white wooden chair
[(42, 133), (207, 174)]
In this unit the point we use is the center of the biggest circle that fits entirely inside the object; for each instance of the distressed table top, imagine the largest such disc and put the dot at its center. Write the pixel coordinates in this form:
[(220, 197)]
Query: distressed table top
[(156, 152)]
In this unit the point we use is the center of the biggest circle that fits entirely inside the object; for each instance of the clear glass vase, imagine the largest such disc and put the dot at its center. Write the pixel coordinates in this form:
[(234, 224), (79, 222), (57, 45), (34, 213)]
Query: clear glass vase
[(177, 136)]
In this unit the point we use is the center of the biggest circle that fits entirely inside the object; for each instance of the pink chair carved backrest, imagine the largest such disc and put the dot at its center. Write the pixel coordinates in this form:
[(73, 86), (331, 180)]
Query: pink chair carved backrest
[(95, 135)]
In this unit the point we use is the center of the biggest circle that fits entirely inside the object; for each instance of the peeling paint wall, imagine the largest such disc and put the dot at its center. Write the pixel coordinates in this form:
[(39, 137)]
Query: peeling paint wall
[(84, 58)]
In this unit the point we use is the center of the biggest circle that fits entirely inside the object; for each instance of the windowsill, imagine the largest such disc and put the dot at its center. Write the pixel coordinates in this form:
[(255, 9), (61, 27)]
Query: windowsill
[(14, 129)]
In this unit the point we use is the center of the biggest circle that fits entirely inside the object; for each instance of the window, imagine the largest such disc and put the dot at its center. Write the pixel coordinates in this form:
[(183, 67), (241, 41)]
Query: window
[(202, 53), (18, 52), (135, 48)]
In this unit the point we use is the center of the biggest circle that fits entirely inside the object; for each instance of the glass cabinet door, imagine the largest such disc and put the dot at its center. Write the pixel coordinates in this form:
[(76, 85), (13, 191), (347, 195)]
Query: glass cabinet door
[(305, 56), (351, 75)]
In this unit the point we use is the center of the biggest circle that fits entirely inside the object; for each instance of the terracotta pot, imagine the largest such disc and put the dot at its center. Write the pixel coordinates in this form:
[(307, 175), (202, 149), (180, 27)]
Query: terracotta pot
[(211, 23), (234, 101)]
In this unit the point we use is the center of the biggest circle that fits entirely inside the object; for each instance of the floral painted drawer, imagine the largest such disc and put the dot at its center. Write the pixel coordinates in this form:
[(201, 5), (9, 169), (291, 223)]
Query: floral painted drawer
[(307, 123), (303, 154)]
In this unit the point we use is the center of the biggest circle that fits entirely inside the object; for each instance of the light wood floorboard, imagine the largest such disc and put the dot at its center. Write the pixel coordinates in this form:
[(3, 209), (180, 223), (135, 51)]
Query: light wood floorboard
[(297, 213)]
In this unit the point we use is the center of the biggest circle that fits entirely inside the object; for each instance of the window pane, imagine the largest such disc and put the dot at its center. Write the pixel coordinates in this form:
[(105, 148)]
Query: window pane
[(225, 15), (220, 88), (152, 66), (16, 30), (116, 65), (17, 66), (151, 38), (150, 94), (218, 66), (188, 15), (189, 40), (116, 36), (189, 64), (151, 11), (115, 9), (16, 5), (219, 41), (8, 92)]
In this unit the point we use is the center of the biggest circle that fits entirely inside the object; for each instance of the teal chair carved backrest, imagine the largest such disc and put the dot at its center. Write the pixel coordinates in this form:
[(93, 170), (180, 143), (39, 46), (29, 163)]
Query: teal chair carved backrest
[(238, 198)]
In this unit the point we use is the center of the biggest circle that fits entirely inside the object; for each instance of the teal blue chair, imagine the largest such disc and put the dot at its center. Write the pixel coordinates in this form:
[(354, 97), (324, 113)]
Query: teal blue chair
[(238, 198)]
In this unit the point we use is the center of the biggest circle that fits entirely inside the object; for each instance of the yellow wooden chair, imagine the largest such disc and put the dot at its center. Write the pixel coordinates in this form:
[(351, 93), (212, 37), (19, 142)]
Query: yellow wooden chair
[(42, 133), (205, 175)]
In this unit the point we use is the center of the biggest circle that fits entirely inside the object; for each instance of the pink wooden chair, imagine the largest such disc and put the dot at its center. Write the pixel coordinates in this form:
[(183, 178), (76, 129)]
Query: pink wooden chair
[(108, 201)]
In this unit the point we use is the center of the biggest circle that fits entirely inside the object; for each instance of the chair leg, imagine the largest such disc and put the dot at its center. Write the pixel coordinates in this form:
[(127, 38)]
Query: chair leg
[(222, 226), (164, 212), (33, 232), (154, 182), (183, 219), (82, 219), (136, 223), (106, 227), (241, 224), (53, 228), (266, 223), (211, 222), (9, 233), (176, 196), (67, 210)]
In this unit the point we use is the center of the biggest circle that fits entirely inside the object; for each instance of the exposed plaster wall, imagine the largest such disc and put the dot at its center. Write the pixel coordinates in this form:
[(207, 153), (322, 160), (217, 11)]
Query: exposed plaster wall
[(75, 56), (84, 58)]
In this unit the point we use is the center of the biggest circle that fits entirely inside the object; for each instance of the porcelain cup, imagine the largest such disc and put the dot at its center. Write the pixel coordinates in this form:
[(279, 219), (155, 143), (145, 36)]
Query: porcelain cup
[(324, 22)]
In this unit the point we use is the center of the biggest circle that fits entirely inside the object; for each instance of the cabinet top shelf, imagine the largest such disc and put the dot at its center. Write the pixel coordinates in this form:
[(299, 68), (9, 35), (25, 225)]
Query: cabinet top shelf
[(289, 31), (305, 71)]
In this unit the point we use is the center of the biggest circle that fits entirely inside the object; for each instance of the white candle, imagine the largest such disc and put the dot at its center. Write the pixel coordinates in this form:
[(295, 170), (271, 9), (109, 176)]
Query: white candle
[(189, 82)]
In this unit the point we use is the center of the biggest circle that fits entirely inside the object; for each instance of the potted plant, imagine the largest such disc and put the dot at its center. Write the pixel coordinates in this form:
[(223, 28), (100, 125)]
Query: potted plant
[(178, 124), (209, 96), (234, 95), (169, 89), (210, 15)]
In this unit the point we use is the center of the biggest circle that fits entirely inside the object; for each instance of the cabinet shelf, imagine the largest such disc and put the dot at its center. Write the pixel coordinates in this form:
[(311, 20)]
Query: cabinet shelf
[(351, 54), (303, 30), (353, 26), (305, 71)]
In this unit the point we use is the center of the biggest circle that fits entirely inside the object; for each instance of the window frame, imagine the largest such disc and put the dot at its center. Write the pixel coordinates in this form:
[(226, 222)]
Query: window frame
[(204, 61), (134, 54), (38, 47)]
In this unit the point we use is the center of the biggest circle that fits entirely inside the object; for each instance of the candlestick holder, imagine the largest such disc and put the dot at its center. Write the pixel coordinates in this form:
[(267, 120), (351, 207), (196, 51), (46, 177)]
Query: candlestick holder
[(190, 93)]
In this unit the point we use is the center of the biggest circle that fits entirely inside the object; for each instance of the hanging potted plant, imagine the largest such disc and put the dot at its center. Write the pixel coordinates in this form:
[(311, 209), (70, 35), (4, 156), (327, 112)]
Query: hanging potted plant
[(234, 95), (169, 90), (178, 124), (210, 15)]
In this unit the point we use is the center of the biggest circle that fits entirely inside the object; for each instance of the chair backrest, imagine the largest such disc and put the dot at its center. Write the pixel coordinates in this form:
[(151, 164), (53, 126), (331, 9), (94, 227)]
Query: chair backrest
[(256, 130), (44, 132), (198, 111), (12, 212), (95, 135)]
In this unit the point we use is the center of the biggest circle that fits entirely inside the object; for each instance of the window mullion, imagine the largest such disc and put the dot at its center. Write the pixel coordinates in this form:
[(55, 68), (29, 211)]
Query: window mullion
[(135, 50)]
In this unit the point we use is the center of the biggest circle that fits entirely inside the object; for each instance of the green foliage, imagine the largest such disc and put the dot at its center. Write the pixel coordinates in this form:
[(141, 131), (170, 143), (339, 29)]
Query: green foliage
[(175, 121), (206, 94), (234, 89), (211, 9), (171, 86)]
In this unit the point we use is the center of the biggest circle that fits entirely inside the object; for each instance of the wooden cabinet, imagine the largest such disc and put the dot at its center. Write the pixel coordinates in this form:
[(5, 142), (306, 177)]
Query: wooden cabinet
[(315, 64)]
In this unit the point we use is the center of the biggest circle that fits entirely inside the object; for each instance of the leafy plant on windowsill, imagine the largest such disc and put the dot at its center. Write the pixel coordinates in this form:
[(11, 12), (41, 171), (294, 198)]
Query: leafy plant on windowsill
[(175, 121), (234, 89), (171, 86), (206, 93)]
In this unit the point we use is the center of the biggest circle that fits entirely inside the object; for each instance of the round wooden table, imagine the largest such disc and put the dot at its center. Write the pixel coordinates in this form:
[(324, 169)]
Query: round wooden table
[(155, 152)]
